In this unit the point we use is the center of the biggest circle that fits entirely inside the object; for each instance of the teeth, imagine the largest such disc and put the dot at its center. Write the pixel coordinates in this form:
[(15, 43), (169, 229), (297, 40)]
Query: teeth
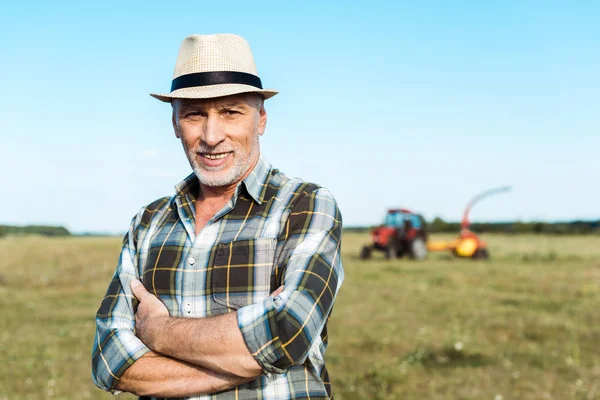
[(216, 156)]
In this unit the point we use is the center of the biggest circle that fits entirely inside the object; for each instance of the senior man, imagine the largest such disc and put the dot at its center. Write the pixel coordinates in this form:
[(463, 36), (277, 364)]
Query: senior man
[(223, 290)]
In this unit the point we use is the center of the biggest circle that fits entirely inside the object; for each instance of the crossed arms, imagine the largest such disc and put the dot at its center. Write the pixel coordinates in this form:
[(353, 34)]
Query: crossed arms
[(150, 353), (180, 363)]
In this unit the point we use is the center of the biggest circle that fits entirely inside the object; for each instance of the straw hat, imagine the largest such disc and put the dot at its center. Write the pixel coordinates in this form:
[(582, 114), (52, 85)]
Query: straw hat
[(210, 66)]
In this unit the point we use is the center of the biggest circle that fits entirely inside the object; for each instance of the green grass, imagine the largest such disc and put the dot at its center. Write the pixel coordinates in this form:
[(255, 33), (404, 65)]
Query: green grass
[(525, 325)]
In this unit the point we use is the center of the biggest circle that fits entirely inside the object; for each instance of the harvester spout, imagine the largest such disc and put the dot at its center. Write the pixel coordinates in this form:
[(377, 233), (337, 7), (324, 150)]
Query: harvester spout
[(464, 224)]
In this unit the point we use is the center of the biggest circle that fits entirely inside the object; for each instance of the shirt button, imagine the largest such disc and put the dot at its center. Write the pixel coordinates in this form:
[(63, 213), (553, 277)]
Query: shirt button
[(188, 307), (191, 260)]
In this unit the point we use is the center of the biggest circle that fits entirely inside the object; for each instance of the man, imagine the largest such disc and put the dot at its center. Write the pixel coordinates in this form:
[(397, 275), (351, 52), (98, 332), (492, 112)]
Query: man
[(223, 290)]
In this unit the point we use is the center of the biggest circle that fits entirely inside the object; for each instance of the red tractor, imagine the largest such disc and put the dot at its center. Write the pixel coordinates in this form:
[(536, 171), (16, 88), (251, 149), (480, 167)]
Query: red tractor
[(403, 233)]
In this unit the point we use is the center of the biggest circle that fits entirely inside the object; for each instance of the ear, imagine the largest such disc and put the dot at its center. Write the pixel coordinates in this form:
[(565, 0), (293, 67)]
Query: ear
[(262, 122), (177, 135)]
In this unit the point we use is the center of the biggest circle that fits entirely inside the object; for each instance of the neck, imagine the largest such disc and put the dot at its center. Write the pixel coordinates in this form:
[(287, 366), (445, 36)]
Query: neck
[(211, 199)]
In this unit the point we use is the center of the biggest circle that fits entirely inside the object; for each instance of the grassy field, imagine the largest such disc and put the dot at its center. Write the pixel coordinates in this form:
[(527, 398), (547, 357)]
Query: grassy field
[(525, 325)]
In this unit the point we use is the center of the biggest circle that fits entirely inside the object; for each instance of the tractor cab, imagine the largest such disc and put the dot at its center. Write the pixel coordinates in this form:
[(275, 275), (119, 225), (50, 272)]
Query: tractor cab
[(402, 218)]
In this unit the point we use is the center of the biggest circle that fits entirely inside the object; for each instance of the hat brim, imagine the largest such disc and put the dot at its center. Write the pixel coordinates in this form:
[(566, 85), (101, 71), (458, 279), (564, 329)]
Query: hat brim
[(212, 91)]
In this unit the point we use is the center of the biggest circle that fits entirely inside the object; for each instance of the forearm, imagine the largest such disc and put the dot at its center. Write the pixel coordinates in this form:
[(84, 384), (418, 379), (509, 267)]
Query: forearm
[(158, 376), (213, 343)]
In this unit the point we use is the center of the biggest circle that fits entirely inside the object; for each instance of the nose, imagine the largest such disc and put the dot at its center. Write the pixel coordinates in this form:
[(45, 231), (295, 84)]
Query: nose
[(214, 132)]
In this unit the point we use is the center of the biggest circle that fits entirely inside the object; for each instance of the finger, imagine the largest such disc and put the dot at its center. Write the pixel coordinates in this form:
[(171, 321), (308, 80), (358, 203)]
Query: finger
[(139, 291), (277, 291)]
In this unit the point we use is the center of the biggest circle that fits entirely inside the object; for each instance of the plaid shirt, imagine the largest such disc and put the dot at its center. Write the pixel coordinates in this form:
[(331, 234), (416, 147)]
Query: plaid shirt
[(274, 231)]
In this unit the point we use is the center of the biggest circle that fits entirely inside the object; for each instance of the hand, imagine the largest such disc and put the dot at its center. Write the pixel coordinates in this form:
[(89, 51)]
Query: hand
[(151, 315)]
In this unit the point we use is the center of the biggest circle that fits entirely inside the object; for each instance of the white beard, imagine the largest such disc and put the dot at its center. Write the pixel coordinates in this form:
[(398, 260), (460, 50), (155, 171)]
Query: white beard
[(219, 176)]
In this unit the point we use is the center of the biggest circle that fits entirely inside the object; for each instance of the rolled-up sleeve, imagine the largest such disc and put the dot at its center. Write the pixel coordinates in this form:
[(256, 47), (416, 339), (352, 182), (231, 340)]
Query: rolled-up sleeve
[(116, 347), (280, 331)]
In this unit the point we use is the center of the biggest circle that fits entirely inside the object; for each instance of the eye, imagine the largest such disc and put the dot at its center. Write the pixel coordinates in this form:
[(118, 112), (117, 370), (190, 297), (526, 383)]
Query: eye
[(190, 114), (229, 111)]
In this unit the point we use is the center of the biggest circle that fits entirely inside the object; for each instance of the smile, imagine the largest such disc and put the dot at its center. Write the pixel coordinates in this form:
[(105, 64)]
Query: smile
[(216, 156)]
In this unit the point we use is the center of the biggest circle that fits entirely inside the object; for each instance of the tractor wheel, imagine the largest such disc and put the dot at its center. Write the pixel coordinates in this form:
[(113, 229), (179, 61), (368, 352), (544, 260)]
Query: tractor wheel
[(481, 254), (418, 249), (391, 252), (365, 253)]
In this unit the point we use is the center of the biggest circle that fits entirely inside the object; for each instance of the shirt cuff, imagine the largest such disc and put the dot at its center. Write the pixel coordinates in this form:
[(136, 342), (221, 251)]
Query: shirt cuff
[(255, 324), (120, 353)]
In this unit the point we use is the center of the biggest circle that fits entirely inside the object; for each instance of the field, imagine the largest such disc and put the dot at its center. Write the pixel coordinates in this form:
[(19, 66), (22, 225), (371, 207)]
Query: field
[(525, 325)]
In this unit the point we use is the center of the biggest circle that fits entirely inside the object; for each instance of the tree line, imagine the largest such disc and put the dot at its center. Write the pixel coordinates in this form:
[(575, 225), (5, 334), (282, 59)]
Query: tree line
[(518, 227), (438, 225), (43, 230)]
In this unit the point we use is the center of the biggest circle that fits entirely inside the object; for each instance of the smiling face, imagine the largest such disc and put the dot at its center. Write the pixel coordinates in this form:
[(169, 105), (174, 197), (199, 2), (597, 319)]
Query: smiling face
[(220, 136)]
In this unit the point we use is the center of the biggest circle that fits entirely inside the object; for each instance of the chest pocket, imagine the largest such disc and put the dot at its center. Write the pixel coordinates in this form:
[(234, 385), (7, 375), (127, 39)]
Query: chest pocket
[(242, 272)]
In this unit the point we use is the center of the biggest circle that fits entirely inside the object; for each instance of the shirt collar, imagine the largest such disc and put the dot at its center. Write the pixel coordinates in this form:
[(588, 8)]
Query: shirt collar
[(255, 182), (188, 186)]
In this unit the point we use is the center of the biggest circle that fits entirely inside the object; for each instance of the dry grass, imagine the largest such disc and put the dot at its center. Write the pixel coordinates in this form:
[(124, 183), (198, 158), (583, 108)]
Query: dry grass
[(525, 325)]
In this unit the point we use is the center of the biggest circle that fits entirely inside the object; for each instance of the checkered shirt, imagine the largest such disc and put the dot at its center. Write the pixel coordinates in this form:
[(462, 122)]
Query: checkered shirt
[(274, 231)]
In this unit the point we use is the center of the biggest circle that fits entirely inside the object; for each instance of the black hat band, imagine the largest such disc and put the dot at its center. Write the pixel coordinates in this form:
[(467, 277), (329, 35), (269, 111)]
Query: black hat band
[(215, 78)]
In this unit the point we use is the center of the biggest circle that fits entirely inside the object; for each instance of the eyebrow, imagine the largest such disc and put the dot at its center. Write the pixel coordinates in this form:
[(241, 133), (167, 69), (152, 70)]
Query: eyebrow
[(202, 106), (187, 107)]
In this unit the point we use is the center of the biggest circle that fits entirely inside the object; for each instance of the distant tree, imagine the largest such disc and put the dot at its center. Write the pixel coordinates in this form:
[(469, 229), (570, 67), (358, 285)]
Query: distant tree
[(437, 225), (539, 227)]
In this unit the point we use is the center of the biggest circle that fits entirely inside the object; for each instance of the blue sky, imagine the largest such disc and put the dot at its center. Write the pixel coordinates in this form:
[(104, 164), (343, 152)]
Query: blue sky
[(418, 104)]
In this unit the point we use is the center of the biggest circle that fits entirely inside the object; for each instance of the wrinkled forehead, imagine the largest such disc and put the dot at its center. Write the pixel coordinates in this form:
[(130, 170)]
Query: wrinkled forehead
[(248, 99)]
